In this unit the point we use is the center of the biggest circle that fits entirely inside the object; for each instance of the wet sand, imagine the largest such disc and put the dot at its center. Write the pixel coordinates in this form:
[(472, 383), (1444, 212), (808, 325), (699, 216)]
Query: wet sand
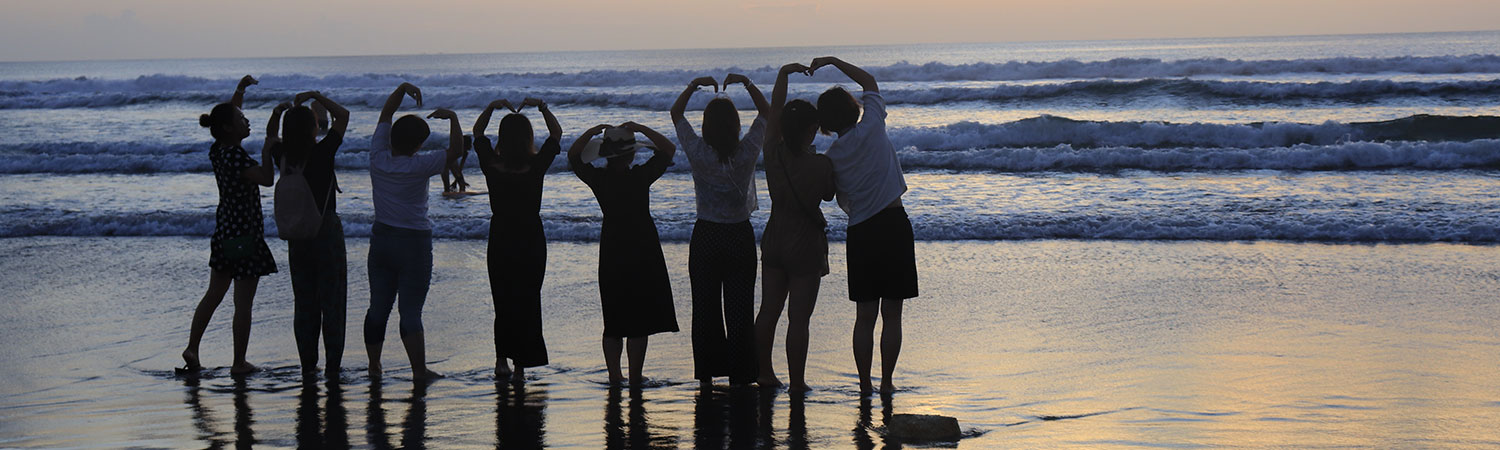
[(1028, 343)]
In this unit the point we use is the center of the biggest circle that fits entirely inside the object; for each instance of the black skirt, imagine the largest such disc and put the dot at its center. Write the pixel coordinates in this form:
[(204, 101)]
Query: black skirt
[(882, 257)]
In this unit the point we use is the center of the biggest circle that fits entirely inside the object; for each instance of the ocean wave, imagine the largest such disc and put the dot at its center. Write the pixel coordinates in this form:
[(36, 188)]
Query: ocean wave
[(1036, 144), (1331, 227), (658, 99)]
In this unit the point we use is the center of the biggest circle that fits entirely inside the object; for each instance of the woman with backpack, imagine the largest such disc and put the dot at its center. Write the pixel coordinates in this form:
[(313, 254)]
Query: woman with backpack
[(307, 218)]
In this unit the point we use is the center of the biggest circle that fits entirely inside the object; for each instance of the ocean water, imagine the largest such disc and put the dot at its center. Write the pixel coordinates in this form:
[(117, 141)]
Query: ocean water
[(1242, 242)]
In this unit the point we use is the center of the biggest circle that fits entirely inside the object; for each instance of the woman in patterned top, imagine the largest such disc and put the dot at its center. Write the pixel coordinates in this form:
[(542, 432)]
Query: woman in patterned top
[(238, 248)]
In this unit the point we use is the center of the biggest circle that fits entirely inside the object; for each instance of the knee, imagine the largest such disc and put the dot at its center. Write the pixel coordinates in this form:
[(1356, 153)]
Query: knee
[(411, 324)]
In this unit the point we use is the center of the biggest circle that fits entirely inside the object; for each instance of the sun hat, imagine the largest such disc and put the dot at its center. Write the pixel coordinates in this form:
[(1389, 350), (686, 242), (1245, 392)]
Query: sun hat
[(615, 141)]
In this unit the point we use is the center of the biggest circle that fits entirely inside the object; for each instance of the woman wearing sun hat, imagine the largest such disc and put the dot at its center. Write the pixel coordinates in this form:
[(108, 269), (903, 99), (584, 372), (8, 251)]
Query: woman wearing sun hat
[(633, 286)]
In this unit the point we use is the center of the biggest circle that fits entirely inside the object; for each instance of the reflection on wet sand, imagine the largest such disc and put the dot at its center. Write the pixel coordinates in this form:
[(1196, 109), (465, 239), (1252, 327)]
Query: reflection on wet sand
[(725, 419), (520, 416), (326, 428), (636, 433), (413, 429), (865, 431)]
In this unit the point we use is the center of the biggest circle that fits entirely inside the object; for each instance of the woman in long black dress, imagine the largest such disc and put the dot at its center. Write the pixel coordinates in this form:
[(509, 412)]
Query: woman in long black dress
[(633, 285), (238, 251), (517, 254)]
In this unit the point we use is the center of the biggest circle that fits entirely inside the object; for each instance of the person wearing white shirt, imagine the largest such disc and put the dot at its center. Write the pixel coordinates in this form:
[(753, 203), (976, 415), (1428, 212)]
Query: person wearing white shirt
[(869, 184), (721, 254), (400, 261)]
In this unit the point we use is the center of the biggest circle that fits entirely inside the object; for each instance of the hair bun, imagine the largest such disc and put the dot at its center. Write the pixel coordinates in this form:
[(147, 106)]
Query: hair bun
[(205, 121)]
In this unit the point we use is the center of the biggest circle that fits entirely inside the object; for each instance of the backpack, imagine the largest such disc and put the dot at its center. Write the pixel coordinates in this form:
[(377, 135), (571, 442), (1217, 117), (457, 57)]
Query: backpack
[(297, 213)]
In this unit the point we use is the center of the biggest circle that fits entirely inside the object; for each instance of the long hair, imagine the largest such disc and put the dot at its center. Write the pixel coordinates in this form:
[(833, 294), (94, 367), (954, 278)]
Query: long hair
[(298, 134), (721, 127), (516, 141), (797, 116), (218, 120)]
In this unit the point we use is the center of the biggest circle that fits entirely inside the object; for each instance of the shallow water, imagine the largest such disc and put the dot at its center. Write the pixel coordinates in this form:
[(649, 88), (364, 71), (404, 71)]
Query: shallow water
[(1028, 343)]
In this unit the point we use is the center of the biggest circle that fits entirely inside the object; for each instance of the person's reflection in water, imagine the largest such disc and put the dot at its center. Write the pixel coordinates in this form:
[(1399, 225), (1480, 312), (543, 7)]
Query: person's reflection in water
[(318, 430), (862, 430), (718, 415), (635, 434), (796, 438), (413, 429), (520, 416), (244, 419), (796, 428), (203, 418)]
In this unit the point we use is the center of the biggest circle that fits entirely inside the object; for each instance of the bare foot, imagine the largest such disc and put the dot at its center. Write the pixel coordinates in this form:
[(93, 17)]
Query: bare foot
[(615, 379), (865, 388), (427, 375), (191, 358), (502, 370), (333, 374), (518, 376), (242, 368), (886, 388), (375, 370), (799, 388), (637, 382), (768, 382)]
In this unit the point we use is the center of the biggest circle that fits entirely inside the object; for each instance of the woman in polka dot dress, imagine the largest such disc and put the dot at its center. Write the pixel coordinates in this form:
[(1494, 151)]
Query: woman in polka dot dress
[(238, 249)]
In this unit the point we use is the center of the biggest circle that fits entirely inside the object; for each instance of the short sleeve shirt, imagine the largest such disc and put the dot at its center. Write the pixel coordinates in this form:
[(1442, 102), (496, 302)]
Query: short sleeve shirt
[(725, 190), (399, 184), (866, 173)]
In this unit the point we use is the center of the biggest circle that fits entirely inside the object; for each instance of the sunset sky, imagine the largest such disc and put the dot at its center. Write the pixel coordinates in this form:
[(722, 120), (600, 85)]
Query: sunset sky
[(109, 29)]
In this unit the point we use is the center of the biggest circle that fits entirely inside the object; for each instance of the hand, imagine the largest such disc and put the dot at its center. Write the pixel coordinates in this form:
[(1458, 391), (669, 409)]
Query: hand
[(704, 81), (597, 129), (304, 96), (413, 91), (443, 113), (736, 78), (245, 82), (283, 106), (796, 68), (818, 63), (530, 101), (501, 103), (632, 126)]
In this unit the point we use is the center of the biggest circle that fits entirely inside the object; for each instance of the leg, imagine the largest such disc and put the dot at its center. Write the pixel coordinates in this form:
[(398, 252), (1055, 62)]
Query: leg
[(890, 342), (244, 299), (612, 348), (416, 276), (307, 310), (383, 286), (218, 285), (773, 292), (497, 297), (708, 317), (864, 342), (334, 295), (636, 348), (804, 296), (738, 270)]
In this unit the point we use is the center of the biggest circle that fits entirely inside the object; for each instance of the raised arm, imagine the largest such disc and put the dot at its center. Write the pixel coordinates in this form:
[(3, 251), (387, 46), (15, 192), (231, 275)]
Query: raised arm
[(483, 122), (273, 126), (238, 100), (855, 73), (761, 108), (664, 146), (575, 152), (455, 133), (393, 102), (680, 106), (554, 130), (338, 112), (778, 100)]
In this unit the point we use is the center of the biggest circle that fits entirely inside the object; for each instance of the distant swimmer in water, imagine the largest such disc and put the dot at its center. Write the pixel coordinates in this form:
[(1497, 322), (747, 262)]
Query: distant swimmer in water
[(238, 252), (514, 169)]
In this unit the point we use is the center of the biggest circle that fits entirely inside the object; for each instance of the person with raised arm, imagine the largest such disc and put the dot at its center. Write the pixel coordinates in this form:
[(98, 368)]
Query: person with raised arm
[(721, 254), (879, 240), (400, 262), (794, 245), (634, 289), (238, 252), (514, 168), (318, 260)]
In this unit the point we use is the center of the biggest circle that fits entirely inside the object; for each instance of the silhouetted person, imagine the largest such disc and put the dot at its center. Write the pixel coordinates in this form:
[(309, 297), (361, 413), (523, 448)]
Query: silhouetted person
[(238, 251), (880, 242), (400, 262), (320, 280), (517, 253), (634, 290), (794, 245), (721, 255)]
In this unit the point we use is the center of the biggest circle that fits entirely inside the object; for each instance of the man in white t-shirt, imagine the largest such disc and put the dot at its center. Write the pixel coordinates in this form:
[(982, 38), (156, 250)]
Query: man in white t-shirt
[(400, 262), (868, 184)]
